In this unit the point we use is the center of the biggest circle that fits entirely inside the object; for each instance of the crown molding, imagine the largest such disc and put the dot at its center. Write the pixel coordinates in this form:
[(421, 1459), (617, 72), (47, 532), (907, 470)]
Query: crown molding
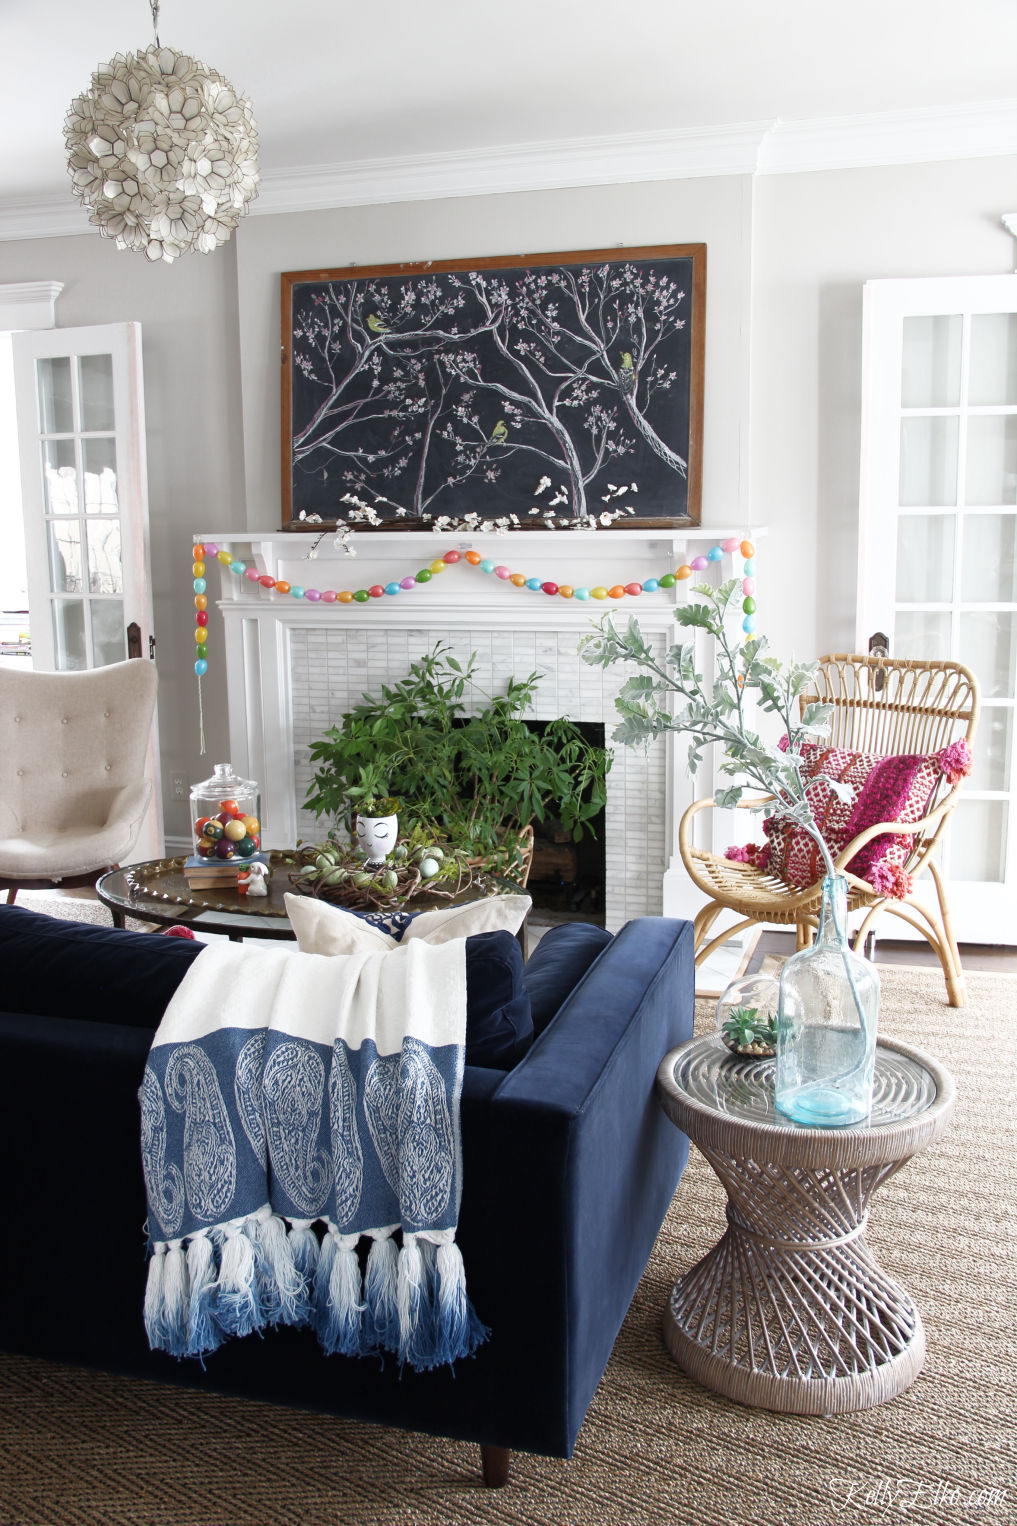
[(978, 130), (29, 304)]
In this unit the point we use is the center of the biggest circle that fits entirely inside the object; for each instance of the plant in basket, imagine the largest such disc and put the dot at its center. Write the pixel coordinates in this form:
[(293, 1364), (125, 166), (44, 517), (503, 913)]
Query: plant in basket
[(462, 762)]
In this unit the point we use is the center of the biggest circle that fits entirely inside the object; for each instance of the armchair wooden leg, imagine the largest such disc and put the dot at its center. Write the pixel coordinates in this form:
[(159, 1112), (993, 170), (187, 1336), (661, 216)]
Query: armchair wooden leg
[(495, 1463), (949, 955)]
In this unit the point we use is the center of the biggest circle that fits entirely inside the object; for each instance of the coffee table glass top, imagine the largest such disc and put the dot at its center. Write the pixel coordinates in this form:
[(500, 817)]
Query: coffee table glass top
[(707, 1073)]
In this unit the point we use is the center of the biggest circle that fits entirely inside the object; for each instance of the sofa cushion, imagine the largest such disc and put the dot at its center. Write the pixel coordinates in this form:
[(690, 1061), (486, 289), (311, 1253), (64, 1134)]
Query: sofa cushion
[(558, 964), (53, 968)]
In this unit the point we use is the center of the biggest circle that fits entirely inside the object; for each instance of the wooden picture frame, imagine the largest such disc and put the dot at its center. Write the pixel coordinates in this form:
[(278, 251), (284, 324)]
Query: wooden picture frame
[(512, 392)]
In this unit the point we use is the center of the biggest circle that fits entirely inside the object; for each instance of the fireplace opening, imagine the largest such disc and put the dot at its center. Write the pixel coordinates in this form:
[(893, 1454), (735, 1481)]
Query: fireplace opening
[(567, 879)]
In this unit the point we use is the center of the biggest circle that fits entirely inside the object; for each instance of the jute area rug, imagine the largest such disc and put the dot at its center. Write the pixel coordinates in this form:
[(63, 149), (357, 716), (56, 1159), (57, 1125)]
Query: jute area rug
[(78, 1448)]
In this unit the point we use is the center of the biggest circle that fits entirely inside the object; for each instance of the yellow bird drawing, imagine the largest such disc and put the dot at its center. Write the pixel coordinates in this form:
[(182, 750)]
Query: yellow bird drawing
[(375, 324), (499, 433)]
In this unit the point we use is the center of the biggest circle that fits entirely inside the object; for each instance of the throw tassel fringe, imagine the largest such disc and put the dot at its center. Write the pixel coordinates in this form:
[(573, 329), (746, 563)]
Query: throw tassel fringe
[(238, 1310), (203, 1333), (282, 1289), (458, 1331), (304, 1246), (381, 1285), (337, 1289)]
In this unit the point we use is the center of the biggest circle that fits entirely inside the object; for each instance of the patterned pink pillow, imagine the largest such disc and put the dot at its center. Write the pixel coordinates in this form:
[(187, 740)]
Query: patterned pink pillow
[(894, 789)]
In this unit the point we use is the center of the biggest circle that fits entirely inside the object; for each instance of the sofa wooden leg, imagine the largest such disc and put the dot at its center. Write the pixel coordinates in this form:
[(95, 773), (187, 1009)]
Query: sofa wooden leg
[(495, 1463)]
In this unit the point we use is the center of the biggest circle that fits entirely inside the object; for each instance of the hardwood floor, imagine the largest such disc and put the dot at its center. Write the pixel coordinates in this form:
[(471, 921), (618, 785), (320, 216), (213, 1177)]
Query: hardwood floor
[(974, 956)]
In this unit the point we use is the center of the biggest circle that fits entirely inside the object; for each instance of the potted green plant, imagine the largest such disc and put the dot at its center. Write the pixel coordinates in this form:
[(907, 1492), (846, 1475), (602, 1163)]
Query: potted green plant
[(460, 760), (376, 818)]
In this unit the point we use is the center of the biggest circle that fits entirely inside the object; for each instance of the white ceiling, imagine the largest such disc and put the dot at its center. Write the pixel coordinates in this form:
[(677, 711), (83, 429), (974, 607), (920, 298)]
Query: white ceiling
[(333, 82)]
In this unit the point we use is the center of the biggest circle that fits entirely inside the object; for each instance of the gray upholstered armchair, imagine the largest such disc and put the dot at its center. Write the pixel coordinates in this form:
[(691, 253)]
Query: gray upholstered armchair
[(73, 791)]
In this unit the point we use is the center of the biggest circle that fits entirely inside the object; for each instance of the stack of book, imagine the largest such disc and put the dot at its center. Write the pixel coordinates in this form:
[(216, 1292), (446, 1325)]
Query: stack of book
[(216, 873)]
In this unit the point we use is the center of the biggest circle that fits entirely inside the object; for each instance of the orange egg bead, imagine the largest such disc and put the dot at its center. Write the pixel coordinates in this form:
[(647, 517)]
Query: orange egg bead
[(683, 572), (282, 588), (517, 579), (198, 552), (345, 597), (617, 592), (566, 590), (474, 558), (748, 549), (201, 601)]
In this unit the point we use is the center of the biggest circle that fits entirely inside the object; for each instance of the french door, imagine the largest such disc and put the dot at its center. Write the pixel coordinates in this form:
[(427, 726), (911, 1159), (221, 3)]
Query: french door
[(938, 541), (81, 433)]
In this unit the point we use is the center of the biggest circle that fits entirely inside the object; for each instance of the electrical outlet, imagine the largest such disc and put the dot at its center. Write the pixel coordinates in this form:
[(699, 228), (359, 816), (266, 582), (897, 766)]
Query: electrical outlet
[(179, 782)]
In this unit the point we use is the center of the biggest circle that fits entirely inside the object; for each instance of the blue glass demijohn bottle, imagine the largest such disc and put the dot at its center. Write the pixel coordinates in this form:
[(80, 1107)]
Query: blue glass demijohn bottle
[(826, 1024)]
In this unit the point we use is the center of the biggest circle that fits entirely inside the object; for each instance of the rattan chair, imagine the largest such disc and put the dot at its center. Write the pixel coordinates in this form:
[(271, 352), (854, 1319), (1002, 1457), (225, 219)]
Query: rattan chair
[(880, 705)]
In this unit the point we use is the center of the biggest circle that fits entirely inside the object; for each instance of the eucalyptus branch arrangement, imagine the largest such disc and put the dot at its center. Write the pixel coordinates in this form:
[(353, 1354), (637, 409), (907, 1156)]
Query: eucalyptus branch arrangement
[(672, 695)]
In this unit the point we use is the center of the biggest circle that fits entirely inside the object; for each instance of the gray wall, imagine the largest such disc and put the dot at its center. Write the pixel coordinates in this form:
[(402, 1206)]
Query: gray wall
[(787, 258)]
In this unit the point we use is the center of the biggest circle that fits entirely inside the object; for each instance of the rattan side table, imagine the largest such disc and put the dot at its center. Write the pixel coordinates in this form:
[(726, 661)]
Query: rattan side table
[(790, 1311)]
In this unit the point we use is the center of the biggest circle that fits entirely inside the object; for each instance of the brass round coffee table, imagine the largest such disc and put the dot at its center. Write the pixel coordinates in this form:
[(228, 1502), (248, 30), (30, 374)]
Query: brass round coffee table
[(790, 1311)]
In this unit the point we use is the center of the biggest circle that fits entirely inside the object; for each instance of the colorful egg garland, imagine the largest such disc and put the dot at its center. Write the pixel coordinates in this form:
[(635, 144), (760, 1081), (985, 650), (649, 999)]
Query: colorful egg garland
[(201, 552)]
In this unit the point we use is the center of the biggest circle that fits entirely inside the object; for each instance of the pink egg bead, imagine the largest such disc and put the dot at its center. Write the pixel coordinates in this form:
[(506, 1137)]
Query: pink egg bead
[(699, 564), (408, 583), (328, 595), (450, 557), (502, 572), (313, 594), (732, 543), (252, 573), (633, 589), (748, 585), (211, 550)]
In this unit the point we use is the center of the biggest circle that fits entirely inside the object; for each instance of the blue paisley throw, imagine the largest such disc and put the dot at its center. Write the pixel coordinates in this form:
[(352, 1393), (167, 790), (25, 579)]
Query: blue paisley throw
[(301, 1148)]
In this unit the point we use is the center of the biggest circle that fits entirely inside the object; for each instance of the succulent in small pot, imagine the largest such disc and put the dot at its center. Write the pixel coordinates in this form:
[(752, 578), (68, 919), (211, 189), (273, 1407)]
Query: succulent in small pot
[(376, 818), (747, 1016)]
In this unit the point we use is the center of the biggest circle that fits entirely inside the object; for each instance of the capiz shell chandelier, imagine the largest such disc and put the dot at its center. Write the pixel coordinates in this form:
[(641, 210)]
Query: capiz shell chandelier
[(164, 151)]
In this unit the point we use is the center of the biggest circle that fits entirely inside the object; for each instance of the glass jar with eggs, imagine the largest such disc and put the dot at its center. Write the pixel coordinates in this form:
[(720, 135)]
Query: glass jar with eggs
[(225, 818)]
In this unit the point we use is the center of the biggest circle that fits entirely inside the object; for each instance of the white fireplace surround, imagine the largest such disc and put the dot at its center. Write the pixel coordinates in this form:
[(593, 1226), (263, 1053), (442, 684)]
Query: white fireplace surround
[(293, 667)]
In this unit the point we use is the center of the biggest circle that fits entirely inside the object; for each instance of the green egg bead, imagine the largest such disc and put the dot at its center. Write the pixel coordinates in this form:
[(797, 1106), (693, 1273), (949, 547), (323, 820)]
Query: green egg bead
[(423, 576), (361, 595), (668, 580), (749, 605)]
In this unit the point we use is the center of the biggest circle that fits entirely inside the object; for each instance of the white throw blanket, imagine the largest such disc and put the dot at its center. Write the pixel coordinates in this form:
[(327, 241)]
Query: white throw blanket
[(293, 1103)]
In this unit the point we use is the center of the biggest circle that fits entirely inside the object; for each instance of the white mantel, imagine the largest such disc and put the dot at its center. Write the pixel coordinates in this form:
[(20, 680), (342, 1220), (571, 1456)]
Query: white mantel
[(293, 666)]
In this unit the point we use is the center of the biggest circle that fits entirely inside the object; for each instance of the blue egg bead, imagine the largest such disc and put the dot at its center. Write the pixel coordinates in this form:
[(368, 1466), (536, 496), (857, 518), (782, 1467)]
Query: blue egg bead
[(296, 592), (239, 568), (487, 566), (201, 667), (392, 588), (749, 624), (714, 554), (534, 583), (200, 585), (581, 593), (750, 568), (651, 585)]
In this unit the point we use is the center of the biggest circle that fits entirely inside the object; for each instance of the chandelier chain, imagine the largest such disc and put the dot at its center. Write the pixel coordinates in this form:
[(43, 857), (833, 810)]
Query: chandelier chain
[(153, 6)]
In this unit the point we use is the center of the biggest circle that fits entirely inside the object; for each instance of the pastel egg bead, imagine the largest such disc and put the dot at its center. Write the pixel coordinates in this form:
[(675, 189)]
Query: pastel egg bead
[(296, 591), (617, 592), (667, 581), (225, 557), (266, 580), (428, 868), (651, 585), (549, 588), (201, 667), (699, 563), (345, 597), (198, 569), (312, 595), (438, 565), (731, 544), (328, 596), (750, 568), (517, 580), (200, 585), (235, 830), (423, 576), (683, 572), (201, 651), (408, 583), (749, 606), (533, 583), (361, 595), (238, 567), (566, 590), (376, 591), (210, 549), (201, 617), (198, 553), (749, 624), (747, 548), (486, 566), (450, 558), (503, 572), (748, 585), (582, 593), (633, 589), (393, 588), (600, 592), (201, 635), (200, 601), (474, 558), (253, 574), (714, 554), (282, 587)]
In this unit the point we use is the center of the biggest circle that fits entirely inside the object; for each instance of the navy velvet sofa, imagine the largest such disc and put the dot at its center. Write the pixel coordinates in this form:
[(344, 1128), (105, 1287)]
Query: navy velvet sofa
[(569, 1168)]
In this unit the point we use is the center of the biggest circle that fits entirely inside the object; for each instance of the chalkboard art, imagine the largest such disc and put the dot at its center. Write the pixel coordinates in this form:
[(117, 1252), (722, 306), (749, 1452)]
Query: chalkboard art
[(560, 390)]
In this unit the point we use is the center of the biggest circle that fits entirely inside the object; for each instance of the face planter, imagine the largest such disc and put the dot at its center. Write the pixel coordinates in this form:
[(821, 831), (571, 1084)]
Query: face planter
[(377, 837)]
